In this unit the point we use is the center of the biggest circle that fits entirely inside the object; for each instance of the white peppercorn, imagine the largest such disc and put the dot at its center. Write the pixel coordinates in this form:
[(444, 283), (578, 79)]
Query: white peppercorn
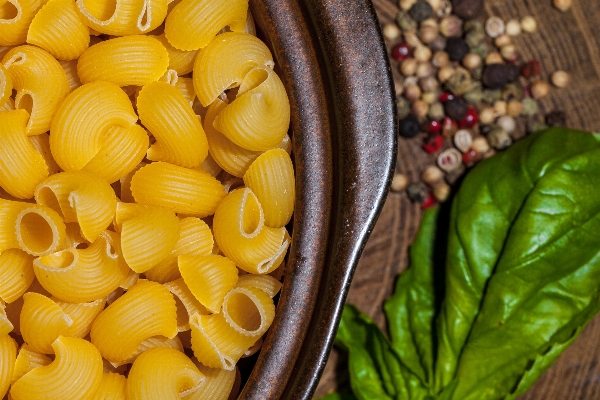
[(428, 33), (399, 182), (451, 26), (411, 80), (408, 67), (398, 86), (412, 39), (449, 160), (562, 5), (560, 79), (444, 9), (514, 108), (442, 192), (436, 111), (499, 138), (463, 140), (507, 123), (494, 27), (509, 52), (440, 59), (391, 32), (406, 5), (502, 40), (430, 97), (435, 4), (472, 61), (432, 174), (429, 84), (445, 73), (494, 58), (500, 107), (487, 116), (480, 145), (540, 89), (528, 24), (422, 53), (425, 69), (412, 93), (420, 109), (513, 27)]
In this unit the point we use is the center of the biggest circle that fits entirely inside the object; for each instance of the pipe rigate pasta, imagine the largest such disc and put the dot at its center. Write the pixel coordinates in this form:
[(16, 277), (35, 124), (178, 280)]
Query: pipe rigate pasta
[(187, 304), (57, 28), (113, 386), (16, 270), (79, 197), (127, 60), (192, 24), (70, 68), (42, 322), (123, 17), (41, 143), (179, 189), (82, 314), (148, 233), (180, 138), (5, 325), (6, 85), (15, 17), (259, 117), (165, 374), (266, 283), (179, 60), (147, 309), (8, 356), (83, 275), (217, 385), (153, 342), (74, 374), (224, 63), (27, 359), (40, 82), (21, 166)]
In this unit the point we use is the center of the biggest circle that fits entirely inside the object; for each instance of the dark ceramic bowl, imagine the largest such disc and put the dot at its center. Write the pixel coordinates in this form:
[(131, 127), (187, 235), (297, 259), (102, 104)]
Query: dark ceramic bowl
[(333, 63)]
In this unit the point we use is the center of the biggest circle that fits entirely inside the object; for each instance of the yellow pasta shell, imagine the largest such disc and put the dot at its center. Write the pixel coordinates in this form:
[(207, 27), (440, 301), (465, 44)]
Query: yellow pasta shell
[(42, 322), (179, 189), (79, 197), (217, 385), (5, 325), (266, 283), (209, 278), (123, 17), (187, 304), (129, 60), (70, 68), (84, 275), (192, 24), (249, 311), (179, 60), (180, 139), (21, 166), (259, 118), (148, 234), (113, 386), (8, 356), (225, 62), (147, 309), (242, 236), (152, 343), (39, 229), (6, 85), (41, 143), (82, 314), (75, 373), (271, 179), (40, 82), (161, 373), (27, 359), (16, 274), (15, 17), (58, 29)]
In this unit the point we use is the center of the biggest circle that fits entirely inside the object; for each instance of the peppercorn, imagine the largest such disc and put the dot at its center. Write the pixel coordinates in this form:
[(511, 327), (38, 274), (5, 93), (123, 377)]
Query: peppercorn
[(446, 96), (430, 97), (470, 157), (405, 22), (402, 107), (440, 59), (432, 174), (451, 26), (460, 82), (528, 24), (421, 11), (531, 68), (408, 127), (401, 51), (433, 144), (429, 84), (562, 5), (480, 144), (560, 79), (513, 91), (445, 73), (514, 108), (412, 39), (475, 93), (406, 4), (494, 58), (470, 120), (412, 93), (444, 9), (483, 50), (534, 126), (456, 109), (399, 183), (467, 9), (449, 127), (502, 40), (495, 76), (487, 116), (491, 96), (477, 73), (556, 118), (429, 202), (408, 67), (417, 192), (507, 123), (474, 25), (438, 44), (420, 109), (391, 32), (512, 72), (513, 27), (436, 111), (442, 192), (434, 127), (472, 61), (474, 38), (530, 107), (449, 160), (456, 48), (428, 33), (463, 140), (494, 27), (499, 138), (509, 53), (500, 107), (425, 69), (422, 53), (540, 89)]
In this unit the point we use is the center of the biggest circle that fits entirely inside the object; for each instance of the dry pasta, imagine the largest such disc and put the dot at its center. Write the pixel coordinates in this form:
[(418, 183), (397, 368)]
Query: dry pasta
[(27, 359), (16, 270), (217, 386), (70, 68), (15, 17), (113, 386), (8, 356), (41, 143), (82, 314), (5, 325), (124, 17), (152, 343), (5, 85), (187, 304), (179, 60)]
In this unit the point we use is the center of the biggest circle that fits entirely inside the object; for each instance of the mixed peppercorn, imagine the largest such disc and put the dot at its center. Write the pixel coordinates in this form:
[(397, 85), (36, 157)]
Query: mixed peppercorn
[(463, 88)]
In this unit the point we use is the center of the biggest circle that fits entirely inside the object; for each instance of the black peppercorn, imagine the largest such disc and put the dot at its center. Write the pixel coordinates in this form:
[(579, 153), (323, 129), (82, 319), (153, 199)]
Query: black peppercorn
[(467, 9), (456, 109), (417, 192), (512, 72), (421, 11), (556, 118), (495, 76), (456, 48), (408, 127)]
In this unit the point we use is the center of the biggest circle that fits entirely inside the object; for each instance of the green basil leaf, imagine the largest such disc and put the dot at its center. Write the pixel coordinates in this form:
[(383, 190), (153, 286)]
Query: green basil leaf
[(539, 282), (411, 309)]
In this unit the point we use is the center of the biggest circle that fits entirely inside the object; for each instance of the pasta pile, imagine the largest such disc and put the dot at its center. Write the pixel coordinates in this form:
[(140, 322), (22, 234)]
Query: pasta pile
[(146, 184)]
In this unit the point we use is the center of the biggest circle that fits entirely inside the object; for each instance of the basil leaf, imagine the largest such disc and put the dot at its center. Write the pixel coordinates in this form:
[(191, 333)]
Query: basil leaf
[(484, 211), (528, 251), (411, 309)]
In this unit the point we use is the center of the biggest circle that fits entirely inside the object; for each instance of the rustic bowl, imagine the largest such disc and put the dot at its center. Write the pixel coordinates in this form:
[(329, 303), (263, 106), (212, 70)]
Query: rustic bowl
[(332, 60)]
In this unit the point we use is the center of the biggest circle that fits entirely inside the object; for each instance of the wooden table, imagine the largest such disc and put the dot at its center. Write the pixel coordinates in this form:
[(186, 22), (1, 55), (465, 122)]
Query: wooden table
[(564, 41)]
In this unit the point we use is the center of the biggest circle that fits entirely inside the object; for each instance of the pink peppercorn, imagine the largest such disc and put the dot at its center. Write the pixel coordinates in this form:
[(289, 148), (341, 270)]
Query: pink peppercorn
[(429, 202), (531, 69), (470, 120), (446, 96), (470, 157), (401, 51), (433, 144), (435, 127)]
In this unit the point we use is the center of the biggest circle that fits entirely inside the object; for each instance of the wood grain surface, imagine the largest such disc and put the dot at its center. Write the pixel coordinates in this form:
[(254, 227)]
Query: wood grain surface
[(564, 41)]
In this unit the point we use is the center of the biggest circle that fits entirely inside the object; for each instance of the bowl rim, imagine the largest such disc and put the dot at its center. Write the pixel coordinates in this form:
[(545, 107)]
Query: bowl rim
[(335, 68)]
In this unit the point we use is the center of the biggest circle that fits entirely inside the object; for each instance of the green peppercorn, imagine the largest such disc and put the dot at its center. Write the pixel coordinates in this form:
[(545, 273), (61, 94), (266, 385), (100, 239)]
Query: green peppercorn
[(475, 38), (436, 111), (490, 96), (530, 107), (402, 107), (513, 91), (499, 138), (460, 82), (405, 22), (475, 93), (417, 192), (474, 25), (421, 11)]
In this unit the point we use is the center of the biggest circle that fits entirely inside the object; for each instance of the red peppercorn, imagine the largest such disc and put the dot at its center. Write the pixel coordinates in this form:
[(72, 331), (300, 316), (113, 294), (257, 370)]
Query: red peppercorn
[(531, 69), (470, 120), (433, 144), (470, 157), (446, 96), (435, 127), (401, 51), (429, 202)]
